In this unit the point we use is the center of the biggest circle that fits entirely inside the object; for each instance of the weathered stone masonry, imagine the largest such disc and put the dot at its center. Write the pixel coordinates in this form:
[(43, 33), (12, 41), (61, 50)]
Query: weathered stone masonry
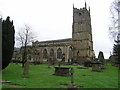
[(79, 48)]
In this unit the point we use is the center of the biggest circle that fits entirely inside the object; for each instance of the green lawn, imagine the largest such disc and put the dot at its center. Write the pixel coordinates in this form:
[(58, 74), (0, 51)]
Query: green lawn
[(41, 77)]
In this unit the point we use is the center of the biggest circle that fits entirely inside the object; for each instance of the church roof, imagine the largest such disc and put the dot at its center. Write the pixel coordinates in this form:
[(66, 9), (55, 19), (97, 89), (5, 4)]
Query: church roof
[(54, 41), (59, 42)]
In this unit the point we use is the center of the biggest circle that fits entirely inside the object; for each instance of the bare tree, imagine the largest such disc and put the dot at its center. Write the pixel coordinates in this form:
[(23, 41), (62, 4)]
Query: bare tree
[(114, 28), (25, 37)]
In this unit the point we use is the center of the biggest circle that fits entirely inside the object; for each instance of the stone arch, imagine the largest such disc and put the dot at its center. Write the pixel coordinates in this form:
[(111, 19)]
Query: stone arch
[(51, 52), (59, 53), (45, 55)]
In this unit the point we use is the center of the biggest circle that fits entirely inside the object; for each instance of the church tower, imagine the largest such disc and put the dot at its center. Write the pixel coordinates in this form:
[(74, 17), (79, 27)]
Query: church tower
[(82, 35)]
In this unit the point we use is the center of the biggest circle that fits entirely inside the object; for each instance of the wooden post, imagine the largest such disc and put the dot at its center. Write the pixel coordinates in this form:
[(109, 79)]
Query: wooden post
[(72, 78)]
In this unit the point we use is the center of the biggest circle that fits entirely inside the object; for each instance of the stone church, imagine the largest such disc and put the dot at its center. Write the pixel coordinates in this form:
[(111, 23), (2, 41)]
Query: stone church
[(78, 49)]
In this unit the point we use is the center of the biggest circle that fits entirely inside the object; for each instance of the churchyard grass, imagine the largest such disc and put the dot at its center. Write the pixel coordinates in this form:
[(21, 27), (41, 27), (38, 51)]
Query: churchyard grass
[(40, 76)]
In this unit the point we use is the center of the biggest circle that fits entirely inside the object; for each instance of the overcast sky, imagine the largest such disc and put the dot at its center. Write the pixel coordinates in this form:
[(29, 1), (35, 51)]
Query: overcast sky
[(52, 19)]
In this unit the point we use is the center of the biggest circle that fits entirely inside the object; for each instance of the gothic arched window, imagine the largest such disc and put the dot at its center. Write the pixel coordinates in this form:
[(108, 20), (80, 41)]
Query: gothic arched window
[(59, 53), (44, 53), (51, 52)]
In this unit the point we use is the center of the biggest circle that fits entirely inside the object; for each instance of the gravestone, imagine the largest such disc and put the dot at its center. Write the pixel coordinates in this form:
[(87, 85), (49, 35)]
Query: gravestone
[(96, 66), (62, 71)]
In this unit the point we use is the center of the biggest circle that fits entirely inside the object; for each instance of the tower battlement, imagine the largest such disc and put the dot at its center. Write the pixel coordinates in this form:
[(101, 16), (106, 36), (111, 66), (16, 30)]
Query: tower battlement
[(81, 10)]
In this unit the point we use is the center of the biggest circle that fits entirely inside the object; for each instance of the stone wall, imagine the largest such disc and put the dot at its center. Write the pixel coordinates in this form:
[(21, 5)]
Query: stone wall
[(64, 45), (82, 35), (79, 47)]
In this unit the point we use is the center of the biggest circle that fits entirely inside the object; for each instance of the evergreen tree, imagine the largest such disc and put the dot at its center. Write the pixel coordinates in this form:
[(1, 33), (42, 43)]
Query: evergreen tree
[(116, 49), (101, 57), (7, 41)]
